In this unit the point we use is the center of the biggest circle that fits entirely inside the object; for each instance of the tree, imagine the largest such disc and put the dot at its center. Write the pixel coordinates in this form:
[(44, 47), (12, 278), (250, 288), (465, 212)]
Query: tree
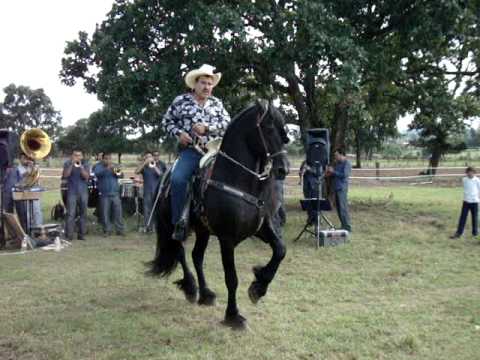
[(324, 59), (24, 108), (441, 123), (74, 137), (107, 131)]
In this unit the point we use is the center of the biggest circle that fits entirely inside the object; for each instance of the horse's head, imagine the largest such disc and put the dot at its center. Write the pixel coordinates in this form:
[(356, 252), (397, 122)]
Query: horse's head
[(269, 139)]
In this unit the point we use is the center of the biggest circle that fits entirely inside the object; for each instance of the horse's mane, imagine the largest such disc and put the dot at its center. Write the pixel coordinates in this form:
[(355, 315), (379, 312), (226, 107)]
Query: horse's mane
[(233, 127), (235, 122)]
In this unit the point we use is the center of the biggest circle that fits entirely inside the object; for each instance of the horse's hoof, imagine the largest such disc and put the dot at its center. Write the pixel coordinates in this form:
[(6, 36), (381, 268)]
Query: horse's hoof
[(256, 291), (235, 322), (207, 298), (189, 289)]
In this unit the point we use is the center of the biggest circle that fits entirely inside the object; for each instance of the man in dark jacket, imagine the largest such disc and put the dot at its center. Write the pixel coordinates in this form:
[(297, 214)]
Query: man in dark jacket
[(76, 172), (341, 173), (152, 170), (109, 191)]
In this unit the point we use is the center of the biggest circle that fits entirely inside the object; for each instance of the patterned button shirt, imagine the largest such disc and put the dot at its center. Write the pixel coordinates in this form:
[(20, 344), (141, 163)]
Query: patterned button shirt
[(184, 112)]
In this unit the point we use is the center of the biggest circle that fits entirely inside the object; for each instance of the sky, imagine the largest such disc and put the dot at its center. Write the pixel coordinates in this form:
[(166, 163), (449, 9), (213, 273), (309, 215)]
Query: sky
[(33, 34)]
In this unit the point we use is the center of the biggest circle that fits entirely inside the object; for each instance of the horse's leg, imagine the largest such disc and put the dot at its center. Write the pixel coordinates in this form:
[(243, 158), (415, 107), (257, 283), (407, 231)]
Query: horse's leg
[(232, 315), (207, 296), (264, 275), (187, 284)]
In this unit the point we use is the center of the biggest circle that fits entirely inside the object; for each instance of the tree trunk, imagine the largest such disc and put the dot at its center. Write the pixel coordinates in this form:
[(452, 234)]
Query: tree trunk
[(119, 158), (340, 126), (434, 161), (358, 150)]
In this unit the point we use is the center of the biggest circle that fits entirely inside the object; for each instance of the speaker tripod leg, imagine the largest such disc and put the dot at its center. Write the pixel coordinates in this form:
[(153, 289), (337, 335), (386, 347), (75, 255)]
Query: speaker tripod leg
[(305, 228)]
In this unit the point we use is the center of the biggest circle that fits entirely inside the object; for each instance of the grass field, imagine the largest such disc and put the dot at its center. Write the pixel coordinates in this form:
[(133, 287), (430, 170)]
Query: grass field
[(400, 290)]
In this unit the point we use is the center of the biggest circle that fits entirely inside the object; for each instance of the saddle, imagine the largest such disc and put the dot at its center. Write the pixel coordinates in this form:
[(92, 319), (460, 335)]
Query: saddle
[(199, 183)]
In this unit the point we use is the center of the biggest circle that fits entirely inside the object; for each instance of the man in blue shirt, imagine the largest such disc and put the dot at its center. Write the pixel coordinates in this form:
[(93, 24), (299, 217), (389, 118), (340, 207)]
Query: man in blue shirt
[(152, 170), (109, 191), (76, 172), (341, 173)]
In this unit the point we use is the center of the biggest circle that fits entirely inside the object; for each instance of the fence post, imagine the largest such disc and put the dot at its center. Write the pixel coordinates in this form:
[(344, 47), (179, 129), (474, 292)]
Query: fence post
[(377, 170)]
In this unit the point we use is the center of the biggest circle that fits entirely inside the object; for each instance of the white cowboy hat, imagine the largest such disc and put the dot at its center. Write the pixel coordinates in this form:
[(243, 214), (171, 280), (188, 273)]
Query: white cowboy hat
[(204, 70)]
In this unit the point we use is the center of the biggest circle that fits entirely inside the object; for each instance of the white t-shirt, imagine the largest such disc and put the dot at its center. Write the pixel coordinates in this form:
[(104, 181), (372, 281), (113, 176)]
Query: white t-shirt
[(471, 189)]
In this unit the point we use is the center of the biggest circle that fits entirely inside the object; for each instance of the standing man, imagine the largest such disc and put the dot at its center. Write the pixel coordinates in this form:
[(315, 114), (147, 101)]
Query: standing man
[(341, 173), (109, 191), (76, 172), (98, 211), (471, 197), (152, 170), (24, 169), (196, 113)]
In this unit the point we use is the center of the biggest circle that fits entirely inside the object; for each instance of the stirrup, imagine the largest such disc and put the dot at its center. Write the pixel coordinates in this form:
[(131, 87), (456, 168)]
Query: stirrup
[(180, 231)]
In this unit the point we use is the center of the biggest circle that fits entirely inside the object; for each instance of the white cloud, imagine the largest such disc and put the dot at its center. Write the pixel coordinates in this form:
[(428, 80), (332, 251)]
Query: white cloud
[(32, 39)]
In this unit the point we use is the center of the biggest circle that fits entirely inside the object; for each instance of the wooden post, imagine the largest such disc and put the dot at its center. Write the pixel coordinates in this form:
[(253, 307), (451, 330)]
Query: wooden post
[(377, 171)]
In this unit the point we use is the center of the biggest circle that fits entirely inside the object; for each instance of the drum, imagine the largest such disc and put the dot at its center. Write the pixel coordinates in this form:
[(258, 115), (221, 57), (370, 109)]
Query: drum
[(92, 192), (132, 206), (127, 189)]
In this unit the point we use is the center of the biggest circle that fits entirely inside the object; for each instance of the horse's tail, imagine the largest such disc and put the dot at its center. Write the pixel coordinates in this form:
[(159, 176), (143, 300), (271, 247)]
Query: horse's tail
[(166, 258), (168, 250)]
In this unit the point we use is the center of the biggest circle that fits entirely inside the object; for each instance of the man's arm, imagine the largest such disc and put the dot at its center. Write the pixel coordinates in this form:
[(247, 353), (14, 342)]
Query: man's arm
[(170, 120), (219, 128), (67, 169), (344, 172), (100, 171)]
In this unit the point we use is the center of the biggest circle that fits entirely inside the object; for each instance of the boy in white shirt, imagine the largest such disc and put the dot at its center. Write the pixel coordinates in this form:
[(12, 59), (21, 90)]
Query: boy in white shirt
[(471, 197)]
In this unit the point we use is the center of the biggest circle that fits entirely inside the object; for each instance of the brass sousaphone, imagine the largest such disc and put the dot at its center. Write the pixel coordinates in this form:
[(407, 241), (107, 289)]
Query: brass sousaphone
[(36, 144)]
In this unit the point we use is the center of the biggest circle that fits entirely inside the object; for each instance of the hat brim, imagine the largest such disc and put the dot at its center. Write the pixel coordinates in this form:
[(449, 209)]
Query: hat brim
[(192, 76)]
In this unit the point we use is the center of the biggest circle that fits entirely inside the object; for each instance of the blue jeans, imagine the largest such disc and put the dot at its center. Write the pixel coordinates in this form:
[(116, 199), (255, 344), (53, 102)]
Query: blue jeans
[(76, 201), (111, 204), (183, 170), (466, 208), (342, 209)]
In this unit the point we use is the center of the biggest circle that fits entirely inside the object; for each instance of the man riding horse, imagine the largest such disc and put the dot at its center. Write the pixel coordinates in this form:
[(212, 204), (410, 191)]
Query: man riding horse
[(194, 114)]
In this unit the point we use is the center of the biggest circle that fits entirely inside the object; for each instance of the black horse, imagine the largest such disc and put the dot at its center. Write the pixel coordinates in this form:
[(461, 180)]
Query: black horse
[(238, 201)]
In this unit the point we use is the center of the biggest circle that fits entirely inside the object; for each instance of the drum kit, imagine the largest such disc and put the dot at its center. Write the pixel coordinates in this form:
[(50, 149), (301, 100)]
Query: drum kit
[(131, 194)]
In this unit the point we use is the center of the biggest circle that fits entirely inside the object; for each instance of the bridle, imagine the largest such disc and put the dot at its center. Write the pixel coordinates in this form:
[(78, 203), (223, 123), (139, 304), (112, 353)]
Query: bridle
[(265, 174)]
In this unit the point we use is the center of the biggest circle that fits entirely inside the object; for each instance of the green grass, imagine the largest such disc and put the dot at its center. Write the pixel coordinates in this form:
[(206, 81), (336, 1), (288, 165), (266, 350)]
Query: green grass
[(400, 290)]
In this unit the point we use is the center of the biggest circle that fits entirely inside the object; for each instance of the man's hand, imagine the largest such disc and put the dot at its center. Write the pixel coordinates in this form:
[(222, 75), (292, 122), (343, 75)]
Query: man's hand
[(330, 170), (200, 129), (184, 138)]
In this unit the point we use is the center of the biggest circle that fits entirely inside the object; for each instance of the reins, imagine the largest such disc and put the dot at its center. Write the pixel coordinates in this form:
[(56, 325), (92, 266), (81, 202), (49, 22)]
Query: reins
[(265, 174)]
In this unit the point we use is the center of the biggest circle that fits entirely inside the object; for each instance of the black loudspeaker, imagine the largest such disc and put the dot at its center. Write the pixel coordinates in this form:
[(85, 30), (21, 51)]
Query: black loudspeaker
[(8, 148), (318, 148)]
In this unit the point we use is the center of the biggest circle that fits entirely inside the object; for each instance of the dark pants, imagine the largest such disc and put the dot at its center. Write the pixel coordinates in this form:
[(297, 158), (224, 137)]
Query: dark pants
[(311, 185), (148, 199), (182, 173), (341, 198), (76, 206), (473, 208), (111, 205)]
